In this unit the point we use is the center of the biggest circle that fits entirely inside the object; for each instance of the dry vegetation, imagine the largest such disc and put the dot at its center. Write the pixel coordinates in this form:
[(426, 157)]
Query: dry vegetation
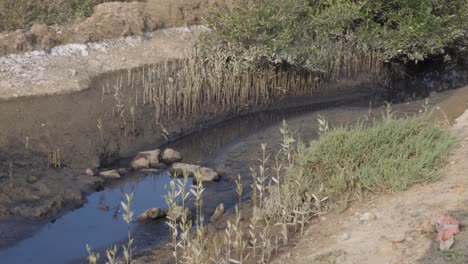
[(193, 88)]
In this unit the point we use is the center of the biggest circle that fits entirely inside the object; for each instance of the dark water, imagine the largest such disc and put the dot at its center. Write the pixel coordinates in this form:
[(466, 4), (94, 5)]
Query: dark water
[(64, 240)]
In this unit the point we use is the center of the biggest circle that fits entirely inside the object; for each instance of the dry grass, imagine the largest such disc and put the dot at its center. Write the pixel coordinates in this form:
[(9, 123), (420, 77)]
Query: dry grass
[(193, 89)]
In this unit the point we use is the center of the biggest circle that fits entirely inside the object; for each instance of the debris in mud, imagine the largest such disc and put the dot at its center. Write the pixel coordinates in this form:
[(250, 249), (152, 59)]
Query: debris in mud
[(447, 227)]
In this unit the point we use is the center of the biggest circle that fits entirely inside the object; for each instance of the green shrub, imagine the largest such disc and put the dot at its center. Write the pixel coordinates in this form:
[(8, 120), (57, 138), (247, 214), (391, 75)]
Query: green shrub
[(413, 29), (389, 155), (300, 32)]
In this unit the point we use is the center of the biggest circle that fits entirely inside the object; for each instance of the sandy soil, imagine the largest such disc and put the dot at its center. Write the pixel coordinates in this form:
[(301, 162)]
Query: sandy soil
[(70, 68), (403, 218)]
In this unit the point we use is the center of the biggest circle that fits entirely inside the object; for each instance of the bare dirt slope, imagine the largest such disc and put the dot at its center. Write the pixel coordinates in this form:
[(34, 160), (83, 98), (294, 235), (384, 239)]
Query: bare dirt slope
[(70, 68), (401, 231)]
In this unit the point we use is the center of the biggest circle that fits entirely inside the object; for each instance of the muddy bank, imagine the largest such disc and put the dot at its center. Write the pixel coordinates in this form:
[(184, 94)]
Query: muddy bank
[(51, 140)]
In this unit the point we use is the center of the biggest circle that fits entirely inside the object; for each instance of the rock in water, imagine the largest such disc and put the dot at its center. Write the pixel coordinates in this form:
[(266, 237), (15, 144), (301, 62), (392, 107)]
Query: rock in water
[(139, 163), (171, 156), (110, 174), (207, 175), (152, 156), (146, 159), (89, 172), (178, 169), (217, 213), (151, 214)]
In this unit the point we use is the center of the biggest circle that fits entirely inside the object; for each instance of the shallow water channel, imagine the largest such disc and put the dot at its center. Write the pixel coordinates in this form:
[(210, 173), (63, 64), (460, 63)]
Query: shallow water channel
[(233, 144), (99, 222)]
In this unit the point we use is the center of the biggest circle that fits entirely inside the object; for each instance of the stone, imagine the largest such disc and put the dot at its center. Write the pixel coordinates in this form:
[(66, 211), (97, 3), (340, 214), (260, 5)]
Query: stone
[(367, 217), (146, 159), (152, 156), (110, 174), (171, 156), (31, 179), (447, 244), (152, 214), (178, 169), (219, 211), (207, 175), (397, 237), (139, 163), (89, 172)]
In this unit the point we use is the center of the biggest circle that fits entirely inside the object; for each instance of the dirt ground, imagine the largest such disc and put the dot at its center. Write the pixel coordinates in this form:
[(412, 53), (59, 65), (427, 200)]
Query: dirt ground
[(398, 234), (71, 68)]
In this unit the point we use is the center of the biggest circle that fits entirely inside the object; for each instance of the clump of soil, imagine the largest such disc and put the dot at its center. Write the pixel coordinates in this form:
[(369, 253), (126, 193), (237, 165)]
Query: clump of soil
[(109, 20)]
